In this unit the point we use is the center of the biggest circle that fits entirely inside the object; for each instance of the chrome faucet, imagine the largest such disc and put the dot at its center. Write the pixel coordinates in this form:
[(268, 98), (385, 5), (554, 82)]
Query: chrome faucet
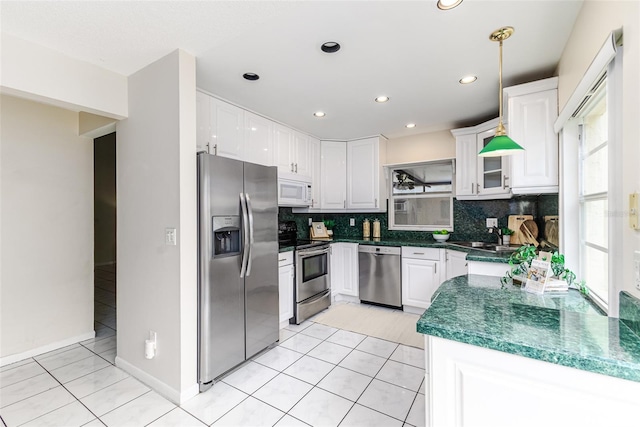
[(498, 233)]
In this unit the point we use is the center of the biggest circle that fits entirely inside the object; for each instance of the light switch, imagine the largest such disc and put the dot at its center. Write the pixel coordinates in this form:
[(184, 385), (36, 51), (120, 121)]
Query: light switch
[(492, 222), (352, 222), (170, 236)]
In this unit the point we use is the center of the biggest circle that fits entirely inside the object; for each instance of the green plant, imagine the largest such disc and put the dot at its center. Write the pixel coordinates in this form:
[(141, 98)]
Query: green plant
[(520, 261), (441, 232), (329, 223), (506, 231)]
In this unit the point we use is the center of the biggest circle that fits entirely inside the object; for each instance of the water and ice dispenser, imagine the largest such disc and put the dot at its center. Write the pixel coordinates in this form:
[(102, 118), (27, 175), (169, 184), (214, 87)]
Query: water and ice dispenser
[(226, 235)]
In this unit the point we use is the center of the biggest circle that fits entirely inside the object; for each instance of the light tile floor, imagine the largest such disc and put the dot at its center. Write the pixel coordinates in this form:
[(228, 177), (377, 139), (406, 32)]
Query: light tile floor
[(317, 376)]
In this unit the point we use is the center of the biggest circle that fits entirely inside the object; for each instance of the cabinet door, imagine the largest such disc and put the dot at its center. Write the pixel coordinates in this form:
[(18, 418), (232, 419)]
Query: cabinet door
[(492, 172), (466, 165), (333, 173), (285, 286), (227, 130), (314, 172), (301, 154), (203, 121), (531, 119), (363, 178), (344, 269), (420, 279), (283, 141), (456, 264), (258, 139)]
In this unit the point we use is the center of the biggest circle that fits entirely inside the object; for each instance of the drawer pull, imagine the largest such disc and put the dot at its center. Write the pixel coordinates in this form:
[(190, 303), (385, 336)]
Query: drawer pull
[(418, 253), (282, 259)]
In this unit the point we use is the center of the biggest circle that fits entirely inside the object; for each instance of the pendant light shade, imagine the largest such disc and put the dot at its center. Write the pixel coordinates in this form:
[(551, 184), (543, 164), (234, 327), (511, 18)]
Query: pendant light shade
[(501, 144)]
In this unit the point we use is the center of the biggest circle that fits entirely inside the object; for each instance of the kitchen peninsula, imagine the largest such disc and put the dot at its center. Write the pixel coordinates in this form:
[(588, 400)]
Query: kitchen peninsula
[(500, 356)]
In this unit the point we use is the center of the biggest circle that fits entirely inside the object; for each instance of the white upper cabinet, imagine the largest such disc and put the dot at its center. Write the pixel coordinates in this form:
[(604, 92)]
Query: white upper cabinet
[(314, 172), (292, 151), (366, 189), (480, 177), (258, 139), (220, 127), (532, 110), (283, 140), (333, 175)]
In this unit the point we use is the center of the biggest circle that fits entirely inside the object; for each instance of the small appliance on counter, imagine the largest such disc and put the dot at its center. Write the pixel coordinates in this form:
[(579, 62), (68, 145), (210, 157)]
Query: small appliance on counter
[(366, 229), (376, 229)]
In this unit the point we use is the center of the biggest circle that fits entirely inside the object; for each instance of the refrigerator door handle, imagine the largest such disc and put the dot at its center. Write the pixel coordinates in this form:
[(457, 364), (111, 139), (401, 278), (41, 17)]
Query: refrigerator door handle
[(245, 235), (251, 237)]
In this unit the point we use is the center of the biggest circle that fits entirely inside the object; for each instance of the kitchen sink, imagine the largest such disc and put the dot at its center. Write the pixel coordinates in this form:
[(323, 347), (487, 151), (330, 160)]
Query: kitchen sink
[(484, 246)]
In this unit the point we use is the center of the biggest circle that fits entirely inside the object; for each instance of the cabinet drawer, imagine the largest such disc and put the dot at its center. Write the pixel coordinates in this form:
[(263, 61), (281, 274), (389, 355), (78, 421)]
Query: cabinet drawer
[(421, 253), (285, 258)]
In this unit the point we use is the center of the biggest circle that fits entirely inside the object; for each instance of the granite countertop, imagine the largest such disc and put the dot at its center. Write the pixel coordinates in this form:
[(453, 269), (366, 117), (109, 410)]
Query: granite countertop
[(564, 329), (472, 254)]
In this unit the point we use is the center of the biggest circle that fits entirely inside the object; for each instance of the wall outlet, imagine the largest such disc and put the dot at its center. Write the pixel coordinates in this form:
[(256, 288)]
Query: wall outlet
[(310, 221), (170, 236), (492, 222), (352, 222)]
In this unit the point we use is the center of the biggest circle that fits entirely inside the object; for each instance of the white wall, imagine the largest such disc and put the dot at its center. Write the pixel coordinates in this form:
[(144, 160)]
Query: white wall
[(424, 146), (595, 21), (46, 266), (41, 74), (156, 187)]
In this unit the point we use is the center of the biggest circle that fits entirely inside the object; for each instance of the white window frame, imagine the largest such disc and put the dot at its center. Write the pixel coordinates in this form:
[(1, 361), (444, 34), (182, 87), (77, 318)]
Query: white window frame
[(609, 61)]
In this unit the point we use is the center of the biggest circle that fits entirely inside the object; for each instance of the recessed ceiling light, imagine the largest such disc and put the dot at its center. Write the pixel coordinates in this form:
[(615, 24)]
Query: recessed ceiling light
[(410, 125), (319, 114), (382, 99), (330, 47), (468, 79), (251, 76), (448, 4)]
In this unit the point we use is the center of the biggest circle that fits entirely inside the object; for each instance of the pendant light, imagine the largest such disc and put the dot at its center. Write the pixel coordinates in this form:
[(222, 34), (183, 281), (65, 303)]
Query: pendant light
[(501, 144)]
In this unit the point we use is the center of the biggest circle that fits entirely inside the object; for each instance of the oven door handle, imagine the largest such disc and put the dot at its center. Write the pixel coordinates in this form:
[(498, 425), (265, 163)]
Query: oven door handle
[(306, 254)]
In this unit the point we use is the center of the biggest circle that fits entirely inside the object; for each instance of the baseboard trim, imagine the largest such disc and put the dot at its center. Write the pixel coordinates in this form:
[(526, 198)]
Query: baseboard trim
[(7, 360), (176, 396)]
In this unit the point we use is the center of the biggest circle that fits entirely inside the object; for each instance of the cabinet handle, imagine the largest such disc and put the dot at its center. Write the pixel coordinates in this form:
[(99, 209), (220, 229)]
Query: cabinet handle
[(504, 182), (435, 268), (312, 203), (477, 188), (376, 203), (291, 167), (281, 259), (344, 204), (296, 168), (215, 149), (473, 189)]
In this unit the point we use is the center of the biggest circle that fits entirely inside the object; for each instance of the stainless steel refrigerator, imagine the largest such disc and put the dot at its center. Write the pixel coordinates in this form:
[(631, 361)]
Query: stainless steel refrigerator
[(237, 263)]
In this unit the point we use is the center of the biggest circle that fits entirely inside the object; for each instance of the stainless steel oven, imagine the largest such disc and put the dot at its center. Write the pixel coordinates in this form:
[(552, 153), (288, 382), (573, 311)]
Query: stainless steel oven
[(313, 280)]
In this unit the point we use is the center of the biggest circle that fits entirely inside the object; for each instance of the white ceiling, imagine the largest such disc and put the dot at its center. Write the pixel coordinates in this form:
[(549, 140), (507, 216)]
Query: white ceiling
[(407, 50)]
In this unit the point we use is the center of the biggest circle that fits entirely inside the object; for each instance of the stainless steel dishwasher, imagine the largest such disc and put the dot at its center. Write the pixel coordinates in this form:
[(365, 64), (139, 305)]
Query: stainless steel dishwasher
[(380, 275)]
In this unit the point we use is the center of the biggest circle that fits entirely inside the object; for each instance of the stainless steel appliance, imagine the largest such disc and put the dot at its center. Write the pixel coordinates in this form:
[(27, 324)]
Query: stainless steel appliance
[(380, 274), (237, 263), (313, 280)]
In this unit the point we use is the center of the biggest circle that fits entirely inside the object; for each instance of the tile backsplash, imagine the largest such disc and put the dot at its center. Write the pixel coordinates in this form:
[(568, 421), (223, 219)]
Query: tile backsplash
[(468, 222)]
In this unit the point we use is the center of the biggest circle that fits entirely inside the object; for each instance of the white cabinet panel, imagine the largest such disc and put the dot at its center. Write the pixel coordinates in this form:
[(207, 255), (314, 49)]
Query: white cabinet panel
[(531, 119), (333, 173), (258, 140), (314, 172), (466, 165), (283, 141), (344, 269), (285, 286), (421, 275), (203, 121), (363, 174), (227, 130), (456, 264), (301, 154)]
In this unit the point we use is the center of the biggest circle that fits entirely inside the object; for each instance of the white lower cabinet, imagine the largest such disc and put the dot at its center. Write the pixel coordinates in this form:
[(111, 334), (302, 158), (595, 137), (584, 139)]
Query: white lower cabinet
[(470, 386), (421, 276), (344, 271), (456, 264), (285, 286)]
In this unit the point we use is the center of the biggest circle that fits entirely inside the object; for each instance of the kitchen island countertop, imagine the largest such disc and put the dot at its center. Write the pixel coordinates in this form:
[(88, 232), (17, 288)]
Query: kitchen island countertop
[(565, 329)]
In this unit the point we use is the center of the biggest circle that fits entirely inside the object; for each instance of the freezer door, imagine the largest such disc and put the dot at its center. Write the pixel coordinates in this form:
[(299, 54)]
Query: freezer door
[(261, 279), (220, 288)]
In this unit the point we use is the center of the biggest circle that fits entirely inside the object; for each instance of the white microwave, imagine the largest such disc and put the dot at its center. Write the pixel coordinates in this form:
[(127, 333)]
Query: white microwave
[(294, 190)]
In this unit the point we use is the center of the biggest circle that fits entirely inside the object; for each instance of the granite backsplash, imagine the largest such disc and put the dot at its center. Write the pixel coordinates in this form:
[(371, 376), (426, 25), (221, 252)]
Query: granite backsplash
[(468, 222)]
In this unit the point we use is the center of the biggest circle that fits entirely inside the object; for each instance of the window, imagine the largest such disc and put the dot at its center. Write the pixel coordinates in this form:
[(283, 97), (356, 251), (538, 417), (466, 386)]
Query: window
[(421, 196), (593, 197)]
